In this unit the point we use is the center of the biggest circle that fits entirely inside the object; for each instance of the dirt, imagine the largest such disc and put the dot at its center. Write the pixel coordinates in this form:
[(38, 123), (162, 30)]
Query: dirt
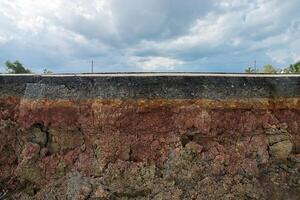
[(149, 149)]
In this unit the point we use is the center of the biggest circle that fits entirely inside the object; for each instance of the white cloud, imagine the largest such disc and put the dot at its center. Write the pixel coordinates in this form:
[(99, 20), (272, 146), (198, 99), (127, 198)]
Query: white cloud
[(155, 63), (288, 55), (5, 39)]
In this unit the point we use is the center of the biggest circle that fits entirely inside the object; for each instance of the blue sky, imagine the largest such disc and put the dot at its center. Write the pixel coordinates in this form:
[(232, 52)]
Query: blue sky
[(149, 35)]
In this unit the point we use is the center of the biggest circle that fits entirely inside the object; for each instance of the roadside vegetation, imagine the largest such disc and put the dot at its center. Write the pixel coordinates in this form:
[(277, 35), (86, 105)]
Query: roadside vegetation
[(270, 69), (17, 67)]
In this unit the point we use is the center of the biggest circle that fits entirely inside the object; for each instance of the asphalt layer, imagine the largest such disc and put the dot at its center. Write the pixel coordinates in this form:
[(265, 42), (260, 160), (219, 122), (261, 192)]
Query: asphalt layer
[(150, 86)]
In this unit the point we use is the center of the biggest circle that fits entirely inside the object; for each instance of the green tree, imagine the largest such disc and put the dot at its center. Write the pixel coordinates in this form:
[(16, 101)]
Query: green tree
[(251, 70), (16, 68), (269, 69), (295, 68), (46, 71)]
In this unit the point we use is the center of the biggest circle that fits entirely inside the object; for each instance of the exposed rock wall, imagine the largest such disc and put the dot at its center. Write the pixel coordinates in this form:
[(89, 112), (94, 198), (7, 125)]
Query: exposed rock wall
[(157, 137)]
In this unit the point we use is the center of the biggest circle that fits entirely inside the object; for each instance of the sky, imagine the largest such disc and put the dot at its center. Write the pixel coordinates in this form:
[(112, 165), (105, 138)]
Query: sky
[(149, 35)]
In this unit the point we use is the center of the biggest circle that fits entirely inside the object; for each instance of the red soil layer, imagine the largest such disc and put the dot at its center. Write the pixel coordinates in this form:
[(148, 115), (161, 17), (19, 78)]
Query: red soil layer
[(186, 141)]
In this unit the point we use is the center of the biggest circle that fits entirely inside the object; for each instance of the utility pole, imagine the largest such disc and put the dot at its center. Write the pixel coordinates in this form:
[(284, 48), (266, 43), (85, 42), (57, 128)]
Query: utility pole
[(255, 66), (92, 66)]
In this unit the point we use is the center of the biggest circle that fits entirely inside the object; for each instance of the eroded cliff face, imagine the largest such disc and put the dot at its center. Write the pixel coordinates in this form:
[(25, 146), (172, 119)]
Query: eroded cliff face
[(71, 140)]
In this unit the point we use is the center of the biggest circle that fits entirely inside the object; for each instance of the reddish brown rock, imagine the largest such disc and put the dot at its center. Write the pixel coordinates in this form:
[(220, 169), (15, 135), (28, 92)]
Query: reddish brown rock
[(137, 149)]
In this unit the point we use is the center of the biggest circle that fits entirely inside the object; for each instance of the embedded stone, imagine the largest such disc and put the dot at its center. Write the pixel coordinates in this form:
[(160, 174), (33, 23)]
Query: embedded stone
[(281, 150), (38, 136), (278, 138), (100, 192)]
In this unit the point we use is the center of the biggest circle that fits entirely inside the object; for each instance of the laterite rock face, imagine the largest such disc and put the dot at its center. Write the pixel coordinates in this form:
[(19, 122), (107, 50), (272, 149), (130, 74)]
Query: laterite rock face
[(150, 137)]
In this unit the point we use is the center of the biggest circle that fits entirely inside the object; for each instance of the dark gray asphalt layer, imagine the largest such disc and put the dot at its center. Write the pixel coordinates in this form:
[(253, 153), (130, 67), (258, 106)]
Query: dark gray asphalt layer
[(150, 86)]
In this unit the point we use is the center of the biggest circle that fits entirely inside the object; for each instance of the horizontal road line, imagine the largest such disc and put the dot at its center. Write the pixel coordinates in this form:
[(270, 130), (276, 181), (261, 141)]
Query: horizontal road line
[(153, 74)]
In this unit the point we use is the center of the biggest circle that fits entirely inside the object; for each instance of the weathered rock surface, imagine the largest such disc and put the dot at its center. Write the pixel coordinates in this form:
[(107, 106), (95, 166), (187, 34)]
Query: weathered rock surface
[(171, 138)]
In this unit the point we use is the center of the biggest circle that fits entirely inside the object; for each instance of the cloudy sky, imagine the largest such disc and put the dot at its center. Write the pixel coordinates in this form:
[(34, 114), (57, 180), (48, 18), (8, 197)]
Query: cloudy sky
[(149, 35)]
